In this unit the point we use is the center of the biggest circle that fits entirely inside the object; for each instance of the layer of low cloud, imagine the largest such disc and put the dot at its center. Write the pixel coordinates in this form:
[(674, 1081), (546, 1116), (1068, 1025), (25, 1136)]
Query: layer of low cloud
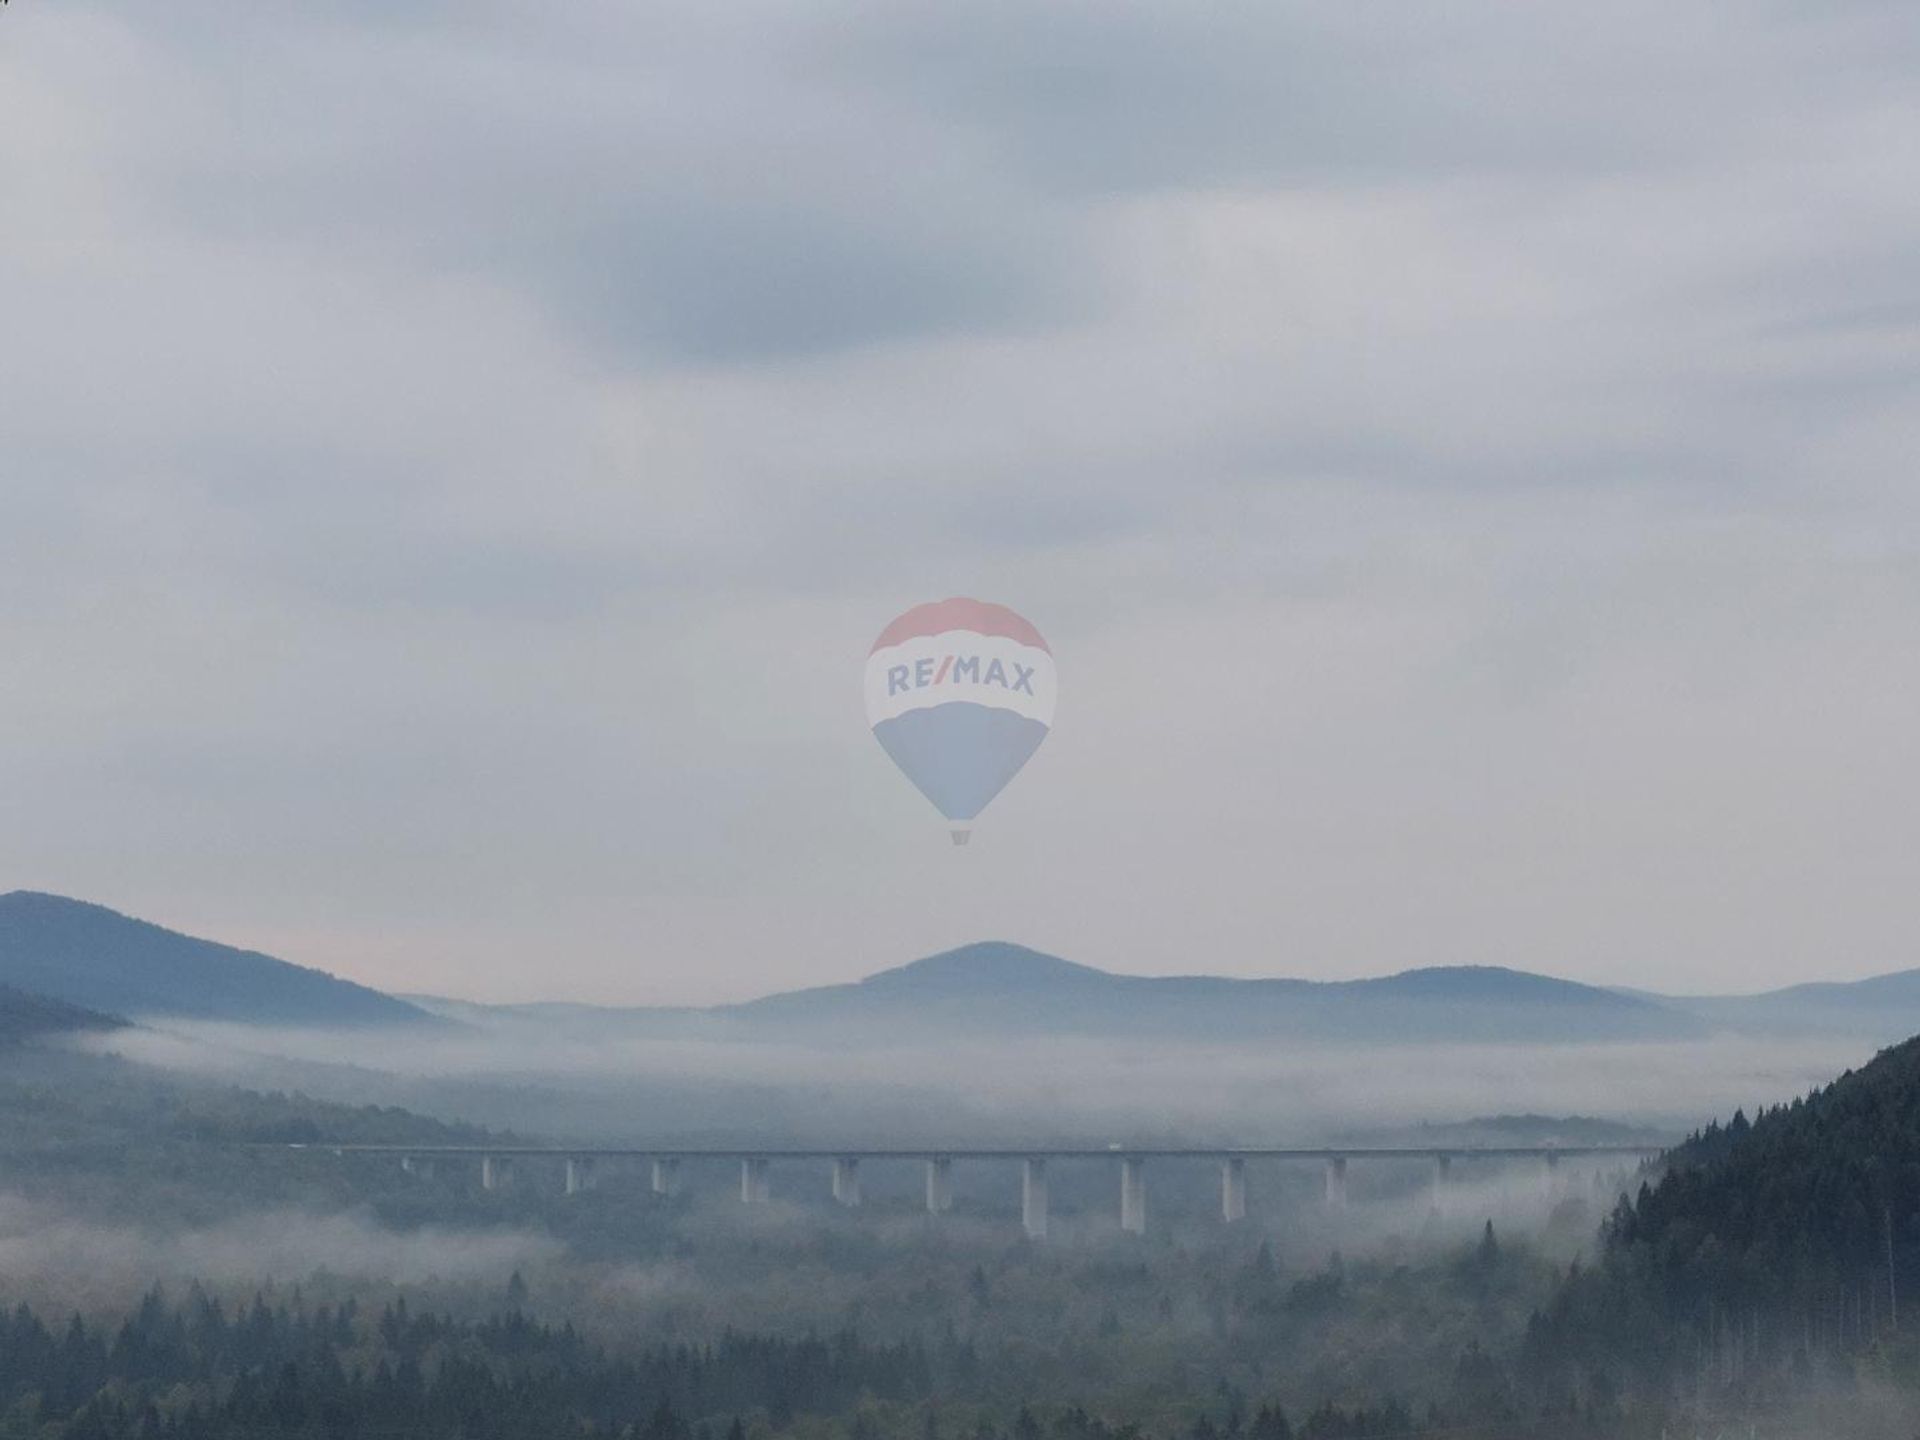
[(454, 466), (52, 1259), (561, 1084)]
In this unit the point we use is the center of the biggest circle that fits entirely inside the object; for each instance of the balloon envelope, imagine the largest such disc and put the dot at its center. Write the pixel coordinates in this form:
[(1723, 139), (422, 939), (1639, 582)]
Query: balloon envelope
[(960, 693)]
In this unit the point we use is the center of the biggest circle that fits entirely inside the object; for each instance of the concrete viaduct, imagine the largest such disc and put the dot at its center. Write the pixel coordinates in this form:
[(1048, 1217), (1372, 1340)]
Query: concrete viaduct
[(579, 1164)]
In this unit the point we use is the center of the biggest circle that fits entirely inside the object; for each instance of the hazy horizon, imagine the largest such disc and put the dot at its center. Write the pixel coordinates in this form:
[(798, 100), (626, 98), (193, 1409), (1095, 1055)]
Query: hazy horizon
[(538, 998), (688, 991)]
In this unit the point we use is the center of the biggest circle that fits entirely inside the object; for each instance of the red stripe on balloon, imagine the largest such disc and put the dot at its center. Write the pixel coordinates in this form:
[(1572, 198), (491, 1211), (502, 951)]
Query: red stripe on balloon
[(980, 616)]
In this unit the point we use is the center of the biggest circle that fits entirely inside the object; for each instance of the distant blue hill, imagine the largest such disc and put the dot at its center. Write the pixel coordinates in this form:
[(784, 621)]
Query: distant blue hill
[(1885, 1008), (92, 957), (993, 989), (1008, 989)]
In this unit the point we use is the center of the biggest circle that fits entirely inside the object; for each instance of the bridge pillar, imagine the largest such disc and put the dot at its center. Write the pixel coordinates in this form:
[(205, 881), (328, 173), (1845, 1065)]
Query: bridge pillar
[(666, 1175), (579, 1174), (939, 1185), (1033, 1197), (1442, 1175), (1233, 1189), (1554, 1181), (493, 1172), (846, 1180), (1336, 1182), (753, 1180), (1133, 1196)]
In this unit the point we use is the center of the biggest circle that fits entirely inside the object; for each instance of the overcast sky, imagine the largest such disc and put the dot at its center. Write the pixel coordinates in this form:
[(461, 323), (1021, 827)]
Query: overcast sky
[(454, 459)]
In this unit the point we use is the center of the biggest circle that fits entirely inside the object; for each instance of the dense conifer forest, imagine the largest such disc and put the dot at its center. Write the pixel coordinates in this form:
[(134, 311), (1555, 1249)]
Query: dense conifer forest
[(1767, 1251), (191, 1370)]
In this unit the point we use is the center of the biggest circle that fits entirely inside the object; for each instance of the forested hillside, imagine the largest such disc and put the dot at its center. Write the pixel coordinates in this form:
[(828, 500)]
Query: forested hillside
[(106, 1139), (27, 1017), (1768, 1248)]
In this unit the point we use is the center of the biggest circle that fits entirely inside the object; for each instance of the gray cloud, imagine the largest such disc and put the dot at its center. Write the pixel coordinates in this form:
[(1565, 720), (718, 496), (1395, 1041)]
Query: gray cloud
[(675, 186), (450, 469)]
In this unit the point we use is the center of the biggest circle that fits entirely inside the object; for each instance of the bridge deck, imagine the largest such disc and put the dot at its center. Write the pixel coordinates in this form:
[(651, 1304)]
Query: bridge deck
[(964, 1152)]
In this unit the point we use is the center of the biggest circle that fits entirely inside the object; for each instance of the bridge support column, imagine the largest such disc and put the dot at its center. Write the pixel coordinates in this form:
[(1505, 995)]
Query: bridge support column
[(846, 1181), (753, 1180), (1554, 1181), (1033, 1198), (1133, 1196), (939, 1185), (493, 1172), (1442, 1175), (1233, 1189), (666, 1175), (1336, 1182), (579, 1174)]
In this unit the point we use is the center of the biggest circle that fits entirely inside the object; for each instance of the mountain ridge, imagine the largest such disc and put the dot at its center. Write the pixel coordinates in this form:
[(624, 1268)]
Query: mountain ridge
[(1010, 989), (87, 955)]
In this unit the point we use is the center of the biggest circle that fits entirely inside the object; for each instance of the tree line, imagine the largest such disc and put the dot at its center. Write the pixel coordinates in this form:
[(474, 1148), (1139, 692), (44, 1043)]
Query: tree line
[(193, 1371)]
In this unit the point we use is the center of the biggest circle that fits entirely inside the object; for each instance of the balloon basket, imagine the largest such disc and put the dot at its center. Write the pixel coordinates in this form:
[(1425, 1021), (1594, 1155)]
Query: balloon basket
[(960, 837)]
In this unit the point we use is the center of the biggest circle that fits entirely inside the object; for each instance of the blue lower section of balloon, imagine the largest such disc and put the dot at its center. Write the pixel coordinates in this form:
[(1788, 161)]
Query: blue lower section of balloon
[(961, 755)]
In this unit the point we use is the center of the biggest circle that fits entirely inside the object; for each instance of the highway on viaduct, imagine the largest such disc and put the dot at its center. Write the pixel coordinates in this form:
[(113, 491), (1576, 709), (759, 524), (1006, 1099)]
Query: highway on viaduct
[(579, 1162)]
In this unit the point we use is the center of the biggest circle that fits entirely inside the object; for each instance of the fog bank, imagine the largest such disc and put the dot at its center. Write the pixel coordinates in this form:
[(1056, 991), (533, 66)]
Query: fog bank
[(640, 1090), (48, 1257)]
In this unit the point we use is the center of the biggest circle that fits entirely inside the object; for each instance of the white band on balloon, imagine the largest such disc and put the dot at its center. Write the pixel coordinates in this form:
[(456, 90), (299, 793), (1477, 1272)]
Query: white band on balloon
[(929, 670)]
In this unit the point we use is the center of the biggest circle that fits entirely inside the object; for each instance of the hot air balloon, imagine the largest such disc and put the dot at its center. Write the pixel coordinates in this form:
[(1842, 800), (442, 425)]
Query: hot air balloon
[(960, 693)]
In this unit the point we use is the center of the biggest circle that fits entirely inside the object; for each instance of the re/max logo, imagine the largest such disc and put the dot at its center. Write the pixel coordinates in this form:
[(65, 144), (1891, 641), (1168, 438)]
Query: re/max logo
[(953, 670)]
